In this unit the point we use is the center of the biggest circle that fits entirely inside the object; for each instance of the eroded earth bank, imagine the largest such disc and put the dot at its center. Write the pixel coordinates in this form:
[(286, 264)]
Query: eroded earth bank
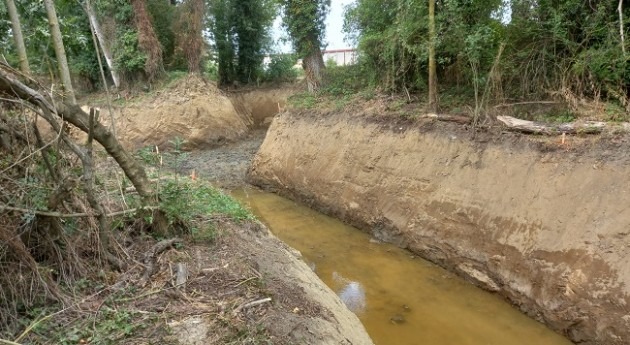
[(542, 223)]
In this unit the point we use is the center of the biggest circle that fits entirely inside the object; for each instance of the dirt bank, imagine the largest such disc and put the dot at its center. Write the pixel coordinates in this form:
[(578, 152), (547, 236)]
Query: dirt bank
[(542, 223), (262, 104)]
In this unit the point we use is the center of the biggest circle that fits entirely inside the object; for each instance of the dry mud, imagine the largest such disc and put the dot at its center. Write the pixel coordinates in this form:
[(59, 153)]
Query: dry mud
[(543, 224)]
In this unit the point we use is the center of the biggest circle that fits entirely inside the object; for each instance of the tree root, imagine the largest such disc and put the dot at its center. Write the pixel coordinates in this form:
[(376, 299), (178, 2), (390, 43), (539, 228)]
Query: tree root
[(150, 258)]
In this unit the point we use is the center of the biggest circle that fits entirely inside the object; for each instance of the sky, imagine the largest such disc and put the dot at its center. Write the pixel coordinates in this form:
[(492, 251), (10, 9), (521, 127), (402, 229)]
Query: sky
[(334, 27)]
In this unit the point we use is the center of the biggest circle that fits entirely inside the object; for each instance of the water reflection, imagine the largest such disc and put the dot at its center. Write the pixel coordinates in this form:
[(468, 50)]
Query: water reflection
[(352, 293)]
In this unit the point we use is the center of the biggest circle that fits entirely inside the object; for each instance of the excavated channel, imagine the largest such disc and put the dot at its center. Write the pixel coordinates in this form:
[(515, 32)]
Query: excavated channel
[(401, 299)]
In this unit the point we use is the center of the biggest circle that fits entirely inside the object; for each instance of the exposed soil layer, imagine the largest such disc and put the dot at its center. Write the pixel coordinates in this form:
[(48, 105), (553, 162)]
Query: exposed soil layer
[(262, 104), (191, 113), (542, 222)]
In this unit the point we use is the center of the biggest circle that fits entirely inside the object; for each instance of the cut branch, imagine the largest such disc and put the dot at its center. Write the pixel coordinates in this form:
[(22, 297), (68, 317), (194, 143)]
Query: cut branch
[(448, 118), (71, 215), (251, 304), (150, 258)]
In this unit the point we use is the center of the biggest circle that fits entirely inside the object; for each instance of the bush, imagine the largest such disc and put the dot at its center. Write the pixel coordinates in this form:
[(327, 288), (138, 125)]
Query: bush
[(280, 69), (345, 80)]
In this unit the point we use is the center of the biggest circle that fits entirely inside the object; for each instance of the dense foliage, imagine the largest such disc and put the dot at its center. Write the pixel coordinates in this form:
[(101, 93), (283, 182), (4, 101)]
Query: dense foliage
[(507, 49), (304, 20), (240, 31), (75, 30), (538, 48)]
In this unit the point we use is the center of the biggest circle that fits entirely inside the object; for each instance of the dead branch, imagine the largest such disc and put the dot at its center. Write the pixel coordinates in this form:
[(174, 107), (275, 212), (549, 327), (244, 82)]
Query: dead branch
[(88, 183), (45, 151), (73, 114), (525, 103), (181, 273), (448, 118), (9, 131), (72, 215), (150, 258), (251, 304), (10, 84), (532, 127)]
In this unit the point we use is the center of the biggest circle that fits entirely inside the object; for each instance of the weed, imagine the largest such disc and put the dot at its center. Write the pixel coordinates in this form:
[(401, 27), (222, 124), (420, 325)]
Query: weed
[(148, 155), (397, 104), (615, 112), (304, 100), (557, 117), (177, 144), (110, 328), (190, 204), (367, 94)]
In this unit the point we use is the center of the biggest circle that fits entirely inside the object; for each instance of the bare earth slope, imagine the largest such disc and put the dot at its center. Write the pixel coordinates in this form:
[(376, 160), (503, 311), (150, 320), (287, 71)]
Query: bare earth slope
[(548, 229), (191, 109)]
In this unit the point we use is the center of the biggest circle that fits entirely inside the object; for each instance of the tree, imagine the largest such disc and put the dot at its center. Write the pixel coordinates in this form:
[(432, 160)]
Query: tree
[(621, 34), (18, 37), (148, 41), (189, 27), (252, 20), (60, 52), (96, 27), (433, 93), (241, 33), (304, 20), (224, 40)]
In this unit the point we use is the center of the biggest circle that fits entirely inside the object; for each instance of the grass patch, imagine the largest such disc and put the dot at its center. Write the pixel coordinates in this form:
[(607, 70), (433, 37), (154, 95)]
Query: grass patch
[(560, 116), (192, 206), (304, 100)]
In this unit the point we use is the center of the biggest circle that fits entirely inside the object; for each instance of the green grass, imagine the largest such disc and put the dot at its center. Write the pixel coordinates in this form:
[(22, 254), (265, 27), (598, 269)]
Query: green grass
[(304, 100), (192, 205)]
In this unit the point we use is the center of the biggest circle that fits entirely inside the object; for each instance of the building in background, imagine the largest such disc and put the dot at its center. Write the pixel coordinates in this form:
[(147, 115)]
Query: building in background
[(341, 57)]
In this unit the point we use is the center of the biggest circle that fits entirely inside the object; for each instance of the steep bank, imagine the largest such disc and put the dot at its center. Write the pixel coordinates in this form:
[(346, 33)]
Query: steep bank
[(543, 224)]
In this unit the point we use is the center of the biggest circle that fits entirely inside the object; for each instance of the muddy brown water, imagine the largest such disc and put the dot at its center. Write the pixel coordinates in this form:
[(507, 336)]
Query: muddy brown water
[(401, 299)]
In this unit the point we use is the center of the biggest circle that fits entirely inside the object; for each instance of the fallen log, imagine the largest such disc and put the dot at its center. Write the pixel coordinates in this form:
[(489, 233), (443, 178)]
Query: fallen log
[(533, 127)]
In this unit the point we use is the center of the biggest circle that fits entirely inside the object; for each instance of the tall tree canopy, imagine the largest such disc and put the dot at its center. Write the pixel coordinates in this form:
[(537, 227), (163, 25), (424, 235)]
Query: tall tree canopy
[(305, 22), (570, 47), (241, 32)]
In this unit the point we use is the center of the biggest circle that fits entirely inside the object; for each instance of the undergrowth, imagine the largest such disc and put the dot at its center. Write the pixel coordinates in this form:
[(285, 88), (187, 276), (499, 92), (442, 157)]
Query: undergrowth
[(192, 206), (352, 87)]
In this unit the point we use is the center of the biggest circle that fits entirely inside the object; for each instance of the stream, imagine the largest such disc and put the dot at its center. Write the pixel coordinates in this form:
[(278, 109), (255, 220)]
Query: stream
[(400, 298)]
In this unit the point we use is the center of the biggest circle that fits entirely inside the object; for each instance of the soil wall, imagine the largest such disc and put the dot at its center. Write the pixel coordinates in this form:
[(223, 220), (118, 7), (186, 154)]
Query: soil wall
[(545, 227)]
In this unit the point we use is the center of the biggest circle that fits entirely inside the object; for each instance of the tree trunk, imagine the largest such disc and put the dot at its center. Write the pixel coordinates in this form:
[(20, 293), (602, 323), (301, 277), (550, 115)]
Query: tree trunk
[(191, 40), (18, 37), (621, 34), (147, 40), (103, 43), (433, 93), (60, 52), (313, 65)]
